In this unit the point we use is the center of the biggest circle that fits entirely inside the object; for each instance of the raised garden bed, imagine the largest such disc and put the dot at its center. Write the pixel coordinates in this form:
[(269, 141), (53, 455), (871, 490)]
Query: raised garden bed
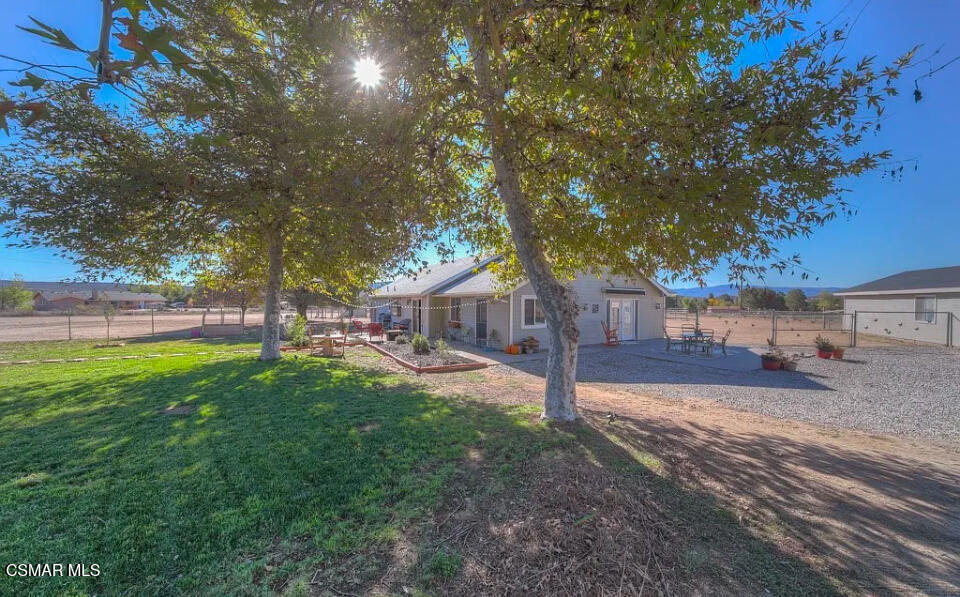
[(433, 362)]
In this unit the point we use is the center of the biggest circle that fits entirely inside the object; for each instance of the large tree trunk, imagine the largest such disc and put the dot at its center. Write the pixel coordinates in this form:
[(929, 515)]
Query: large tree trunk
[(270, 344), (557, 299)]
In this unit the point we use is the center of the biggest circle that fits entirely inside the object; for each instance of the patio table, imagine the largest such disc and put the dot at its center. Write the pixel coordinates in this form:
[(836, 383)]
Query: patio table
[(327, 343)]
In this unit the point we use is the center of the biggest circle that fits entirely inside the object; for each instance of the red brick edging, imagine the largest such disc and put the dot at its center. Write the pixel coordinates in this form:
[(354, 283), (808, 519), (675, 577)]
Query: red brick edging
[(429, 369)]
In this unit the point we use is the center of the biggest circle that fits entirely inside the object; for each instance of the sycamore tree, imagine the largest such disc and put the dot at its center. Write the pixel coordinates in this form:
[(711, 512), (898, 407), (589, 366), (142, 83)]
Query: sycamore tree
[(641, 136), (283, 156)]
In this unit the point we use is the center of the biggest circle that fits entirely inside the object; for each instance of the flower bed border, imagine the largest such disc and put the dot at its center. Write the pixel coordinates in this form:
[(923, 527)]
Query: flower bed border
[(430, 368)]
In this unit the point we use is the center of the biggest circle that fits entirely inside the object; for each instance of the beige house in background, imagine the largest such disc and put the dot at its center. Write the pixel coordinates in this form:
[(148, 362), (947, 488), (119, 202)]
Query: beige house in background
[(464, 292), (918, 305)]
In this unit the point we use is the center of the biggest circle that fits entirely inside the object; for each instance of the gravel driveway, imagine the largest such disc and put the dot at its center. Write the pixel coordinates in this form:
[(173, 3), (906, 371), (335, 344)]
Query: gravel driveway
[(913, 391)]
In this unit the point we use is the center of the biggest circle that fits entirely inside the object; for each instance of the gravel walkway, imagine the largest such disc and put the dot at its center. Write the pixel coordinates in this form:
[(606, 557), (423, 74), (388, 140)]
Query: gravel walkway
[(906, 391)]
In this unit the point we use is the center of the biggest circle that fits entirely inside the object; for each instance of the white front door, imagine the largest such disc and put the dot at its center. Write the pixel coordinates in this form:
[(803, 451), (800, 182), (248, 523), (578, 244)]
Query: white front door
[(621, 318)]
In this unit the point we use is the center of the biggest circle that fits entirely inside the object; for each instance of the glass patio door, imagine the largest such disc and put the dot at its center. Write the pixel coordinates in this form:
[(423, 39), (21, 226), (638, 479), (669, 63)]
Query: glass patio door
[(481, 320)]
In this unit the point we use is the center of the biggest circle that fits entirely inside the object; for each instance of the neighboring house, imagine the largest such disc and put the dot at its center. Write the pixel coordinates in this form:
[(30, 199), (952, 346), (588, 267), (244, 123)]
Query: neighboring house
[(59, 301), (465, 291), (921, 305), (123, 299)]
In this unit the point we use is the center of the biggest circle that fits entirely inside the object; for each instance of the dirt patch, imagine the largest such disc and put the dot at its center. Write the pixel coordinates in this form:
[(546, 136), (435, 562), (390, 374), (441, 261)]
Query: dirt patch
[(432, 359), (877, 514)]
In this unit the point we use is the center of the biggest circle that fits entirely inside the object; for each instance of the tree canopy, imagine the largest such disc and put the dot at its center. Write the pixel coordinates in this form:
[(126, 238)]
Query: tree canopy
[(291, 163), (640, 137)]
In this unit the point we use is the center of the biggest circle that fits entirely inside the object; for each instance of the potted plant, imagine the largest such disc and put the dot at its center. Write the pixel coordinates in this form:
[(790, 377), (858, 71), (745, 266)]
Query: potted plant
[(771, 361), (824, 347), (838, 352)]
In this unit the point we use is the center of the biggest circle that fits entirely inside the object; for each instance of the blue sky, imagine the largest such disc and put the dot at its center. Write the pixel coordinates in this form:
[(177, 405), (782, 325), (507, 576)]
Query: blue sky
[(910, 224)]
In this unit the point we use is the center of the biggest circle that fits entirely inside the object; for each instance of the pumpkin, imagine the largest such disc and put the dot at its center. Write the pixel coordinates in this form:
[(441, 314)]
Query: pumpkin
[(512, 349)]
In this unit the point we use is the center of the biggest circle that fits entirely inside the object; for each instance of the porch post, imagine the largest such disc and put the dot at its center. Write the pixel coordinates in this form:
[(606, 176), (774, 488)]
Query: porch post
[(510, 322), (425, 316)]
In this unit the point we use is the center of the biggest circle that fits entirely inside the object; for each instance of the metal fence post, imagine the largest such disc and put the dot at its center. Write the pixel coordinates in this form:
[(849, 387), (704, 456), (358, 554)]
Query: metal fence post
[(152, 329), (773, 332), (853, 330), (69, 326)]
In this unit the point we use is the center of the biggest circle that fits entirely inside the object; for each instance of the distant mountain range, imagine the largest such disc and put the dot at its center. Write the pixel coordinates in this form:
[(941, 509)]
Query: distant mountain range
[(732, 290)]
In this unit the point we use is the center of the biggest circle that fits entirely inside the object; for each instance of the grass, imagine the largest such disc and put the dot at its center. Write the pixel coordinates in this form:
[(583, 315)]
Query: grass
[(266, 472), (277, 467), (65, 349)]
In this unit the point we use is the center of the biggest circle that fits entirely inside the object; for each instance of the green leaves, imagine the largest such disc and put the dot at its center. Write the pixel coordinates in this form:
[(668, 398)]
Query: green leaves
[(30, 80), (53, 35)]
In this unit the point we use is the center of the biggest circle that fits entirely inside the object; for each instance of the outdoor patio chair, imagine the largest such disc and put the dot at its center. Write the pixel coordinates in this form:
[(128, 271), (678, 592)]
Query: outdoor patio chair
[(375, 329), (402, 324), (674, 341), (722, 342), (357, 325), (688, 330), (612, 337)]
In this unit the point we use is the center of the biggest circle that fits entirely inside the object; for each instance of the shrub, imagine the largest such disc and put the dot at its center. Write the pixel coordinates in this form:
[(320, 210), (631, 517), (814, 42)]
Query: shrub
[(442, 347), (823, 344), (401, 339), (298, 332), (442, 565), (420, 344)]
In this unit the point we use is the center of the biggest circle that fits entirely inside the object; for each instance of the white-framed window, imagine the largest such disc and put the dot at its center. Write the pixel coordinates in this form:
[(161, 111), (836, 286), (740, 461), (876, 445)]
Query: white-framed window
[(533, 316), (455, 309), (925, 308), (395, 310)]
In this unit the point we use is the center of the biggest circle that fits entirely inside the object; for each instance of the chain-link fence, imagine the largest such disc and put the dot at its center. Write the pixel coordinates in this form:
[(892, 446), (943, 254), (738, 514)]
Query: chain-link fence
[(800, 328), (97, 324), (880, 328), (757, 328)]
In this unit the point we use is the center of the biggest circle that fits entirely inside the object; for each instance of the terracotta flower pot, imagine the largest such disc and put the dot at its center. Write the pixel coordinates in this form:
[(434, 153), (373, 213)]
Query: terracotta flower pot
[(771, 364), (824, 354), (838, 353)]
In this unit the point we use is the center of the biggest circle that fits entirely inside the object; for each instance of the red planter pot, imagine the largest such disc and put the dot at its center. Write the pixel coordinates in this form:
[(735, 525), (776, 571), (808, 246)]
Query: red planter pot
[(771, 364), (838, 354), (824, 354)]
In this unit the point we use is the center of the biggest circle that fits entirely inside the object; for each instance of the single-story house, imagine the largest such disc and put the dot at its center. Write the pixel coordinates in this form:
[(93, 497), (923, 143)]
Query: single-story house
[(921, 305), (464, 292), (123, 299), (59, 301)]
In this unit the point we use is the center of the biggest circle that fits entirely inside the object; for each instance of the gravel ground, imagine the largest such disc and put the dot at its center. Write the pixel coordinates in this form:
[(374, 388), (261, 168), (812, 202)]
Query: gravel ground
[(911, 391)]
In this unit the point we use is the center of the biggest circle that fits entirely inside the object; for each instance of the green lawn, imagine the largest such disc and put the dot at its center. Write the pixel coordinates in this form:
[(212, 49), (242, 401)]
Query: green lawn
[(277, 467), (275, 470)]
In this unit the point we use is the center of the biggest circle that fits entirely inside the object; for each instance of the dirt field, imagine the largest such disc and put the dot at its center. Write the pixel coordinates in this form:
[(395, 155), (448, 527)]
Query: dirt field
[(878, 514), (125, 324)]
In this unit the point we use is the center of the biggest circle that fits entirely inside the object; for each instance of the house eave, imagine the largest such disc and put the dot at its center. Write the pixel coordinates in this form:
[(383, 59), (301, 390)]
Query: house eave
[(898, 291)]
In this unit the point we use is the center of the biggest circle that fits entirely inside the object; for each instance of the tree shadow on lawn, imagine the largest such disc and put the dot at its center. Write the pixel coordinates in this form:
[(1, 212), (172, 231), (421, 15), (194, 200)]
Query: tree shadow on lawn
[(888, 523), (281, 467)]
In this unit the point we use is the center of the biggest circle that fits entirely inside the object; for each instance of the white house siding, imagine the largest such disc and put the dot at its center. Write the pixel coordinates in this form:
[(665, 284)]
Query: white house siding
[(893, 316), (590, 297)]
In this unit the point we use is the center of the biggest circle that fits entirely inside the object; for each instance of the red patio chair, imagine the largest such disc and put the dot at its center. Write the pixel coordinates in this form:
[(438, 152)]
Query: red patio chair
[(613, 338), (375, 329), (357, 325)]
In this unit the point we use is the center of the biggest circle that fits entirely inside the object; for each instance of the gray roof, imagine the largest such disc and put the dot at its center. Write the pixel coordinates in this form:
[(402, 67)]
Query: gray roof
[(940, 278), (482, 283), (123, 295), (58, 296), (433, 277)]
